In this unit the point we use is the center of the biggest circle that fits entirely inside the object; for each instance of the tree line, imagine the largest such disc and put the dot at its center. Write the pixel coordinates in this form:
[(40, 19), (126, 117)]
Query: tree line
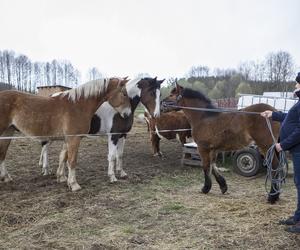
[(19, 71), (275, 73)]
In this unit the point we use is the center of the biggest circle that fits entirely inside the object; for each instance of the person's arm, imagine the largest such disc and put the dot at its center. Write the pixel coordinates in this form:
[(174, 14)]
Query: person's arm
[(294, 138), (275, 115), (278, 116)]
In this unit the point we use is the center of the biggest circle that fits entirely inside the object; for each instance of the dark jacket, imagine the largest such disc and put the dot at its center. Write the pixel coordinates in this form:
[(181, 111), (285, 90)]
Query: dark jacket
[(290, 128)]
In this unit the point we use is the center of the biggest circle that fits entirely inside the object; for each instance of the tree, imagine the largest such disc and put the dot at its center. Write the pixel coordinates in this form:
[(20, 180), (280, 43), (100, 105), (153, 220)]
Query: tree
[(245, 69), (243, 88), (94, 73), (198, 71), (279, 66)]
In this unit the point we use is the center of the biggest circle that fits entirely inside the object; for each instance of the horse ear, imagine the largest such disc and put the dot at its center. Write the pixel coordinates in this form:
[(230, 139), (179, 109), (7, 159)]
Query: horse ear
[(178, 87), (160, 81), (123, 82), (125, 78)]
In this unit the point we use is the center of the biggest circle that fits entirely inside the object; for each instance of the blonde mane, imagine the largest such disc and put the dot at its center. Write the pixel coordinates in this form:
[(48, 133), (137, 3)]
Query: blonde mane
[(86, 90)]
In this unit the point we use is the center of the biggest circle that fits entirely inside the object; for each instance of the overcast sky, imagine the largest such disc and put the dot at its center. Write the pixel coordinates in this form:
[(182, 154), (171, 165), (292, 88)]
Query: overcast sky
[(159, 37)]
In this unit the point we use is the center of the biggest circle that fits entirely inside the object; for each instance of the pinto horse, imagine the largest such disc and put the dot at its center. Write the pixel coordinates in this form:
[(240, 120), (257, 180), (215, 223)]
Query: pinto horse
[(107, 120), (68, 113), (213, 132)]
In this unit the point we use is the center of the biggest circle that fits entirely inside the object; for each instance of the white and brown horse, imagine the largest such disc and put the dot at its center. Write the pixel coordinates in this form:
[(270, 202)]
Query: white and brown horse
[(107, 120), (68, 113)]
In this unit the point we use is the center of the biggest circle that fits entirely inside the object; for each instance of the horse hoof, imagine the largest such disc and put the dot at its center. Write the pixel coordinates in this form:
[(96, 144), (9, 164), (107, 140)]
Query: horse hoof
[(6, 179), (123, 175), (113, 179), (45, 172), (61, 179), (224, 189), (159, 154), (75, 187), (272, 199), (205, 189)]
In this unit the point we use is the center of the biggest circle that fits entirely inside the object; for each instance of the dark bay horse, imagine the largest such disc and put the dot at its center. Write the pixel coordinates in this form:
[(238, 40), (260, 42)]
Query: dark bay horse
[(106, 120), (215, 132), (68, 113)]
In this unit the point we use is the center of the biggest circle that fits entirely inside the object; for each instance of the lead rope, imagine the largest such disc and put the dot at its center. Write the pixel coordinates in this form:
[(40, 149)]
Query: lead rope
[(275, 177)]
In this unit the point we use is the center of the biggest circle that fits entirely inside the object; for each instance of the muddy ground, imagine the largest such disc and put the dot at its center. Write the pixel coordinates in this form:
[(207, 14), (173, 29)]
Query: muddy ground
[(159, 206)]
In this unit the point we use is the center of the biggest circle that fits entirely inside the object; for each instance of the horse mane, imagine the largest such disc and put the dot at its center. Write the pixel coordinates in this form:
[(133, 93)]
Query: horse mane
[(86, 90), (132, 88), (190, 93), (133, 82)]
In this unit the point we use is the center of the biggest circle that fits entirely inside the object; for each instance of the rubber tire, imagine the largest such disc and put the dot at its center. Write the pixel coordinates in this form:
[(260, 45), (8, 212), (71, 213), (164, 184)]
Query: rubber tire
[(250, 156)]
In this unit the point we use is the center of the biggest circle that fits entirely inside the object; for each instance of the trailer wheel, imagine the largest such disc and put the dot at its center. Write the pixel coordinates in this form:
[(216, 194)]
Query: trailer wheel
[(247, 162)]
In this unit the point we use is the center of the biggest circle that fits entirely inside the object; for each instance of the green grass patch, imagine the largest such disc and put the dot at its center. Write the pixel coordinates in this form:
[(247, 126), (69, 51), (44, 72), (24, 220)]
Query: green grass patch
[(172, 207), (128, 229)]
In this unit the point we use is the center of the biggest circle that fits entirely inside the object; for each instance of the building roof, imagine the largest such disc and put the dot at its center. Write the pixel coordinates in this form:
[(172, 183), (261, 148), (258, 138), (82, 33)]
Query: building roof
[(53, 86)]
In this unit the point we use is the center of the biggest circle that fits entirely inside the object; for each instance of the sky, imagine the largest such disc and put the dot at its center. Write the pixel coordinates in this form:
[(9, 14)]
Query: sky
[(163, 38)]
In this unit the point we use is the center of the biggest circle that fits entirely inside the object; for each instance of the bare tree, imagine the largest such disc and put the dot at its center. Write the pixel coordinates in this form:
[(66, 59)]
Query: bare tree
[(198, 71), (94, 73), (279, 66)]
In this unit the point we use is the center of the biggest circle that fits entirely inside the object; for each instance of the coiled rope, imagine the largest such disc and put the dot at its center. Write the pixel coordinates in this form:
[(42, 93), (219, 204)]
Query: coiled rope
[(275, 177)]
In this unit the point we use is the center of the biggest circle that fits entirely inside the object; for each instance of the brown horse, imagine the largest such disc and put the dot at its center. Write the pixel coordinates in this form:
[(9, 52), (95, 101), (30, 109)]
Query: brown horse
[(213, 132), (68, 113), (169, 125)]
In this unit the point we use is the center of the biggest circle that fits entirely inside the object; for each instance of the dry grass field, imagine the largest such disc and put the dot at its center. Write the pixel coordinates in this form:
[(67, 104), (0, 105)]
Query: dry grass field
[(159, 205)]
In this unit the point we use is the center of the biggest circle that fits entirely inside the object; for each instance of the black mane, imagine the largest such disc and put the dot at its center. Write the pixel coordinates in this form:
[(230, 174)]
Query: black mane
[(190, 93)]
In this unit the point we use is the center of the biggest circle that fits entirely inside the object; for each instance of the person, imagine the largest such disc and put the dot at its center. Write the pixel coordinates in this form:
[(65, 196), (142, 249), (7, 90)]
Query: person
[(289, 139)]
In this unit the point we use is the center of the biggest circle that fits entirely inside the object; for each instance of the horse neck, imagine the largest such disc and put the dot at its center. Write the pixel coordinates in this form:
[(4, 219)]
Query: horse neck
[(90, 105), (134, 102), (194, 103)]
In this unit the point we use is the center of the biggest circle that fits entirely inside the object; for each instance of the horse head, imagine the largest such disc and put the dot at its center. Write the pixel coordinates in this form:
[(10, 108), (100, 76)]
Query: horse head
[(150, 94), (174, 99), (118, 97)]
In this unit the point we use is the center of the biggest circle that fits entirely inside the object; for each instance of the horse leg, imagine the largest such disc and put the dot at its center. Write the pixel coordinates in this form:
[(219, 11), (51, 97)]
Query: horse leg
[(219, 178), (155, 145), (63, 156), (72, 149), (182, 138), (119, 160), (112, 152), (4, 144), (44, 159), (205, 159)]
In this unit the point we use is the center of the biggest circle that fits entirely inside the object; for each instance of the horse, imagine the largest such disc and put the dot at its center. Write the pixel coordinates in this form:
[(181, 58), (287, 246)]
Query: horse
[(107, 120), (168, 122), (213, 132), (63, 116)]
